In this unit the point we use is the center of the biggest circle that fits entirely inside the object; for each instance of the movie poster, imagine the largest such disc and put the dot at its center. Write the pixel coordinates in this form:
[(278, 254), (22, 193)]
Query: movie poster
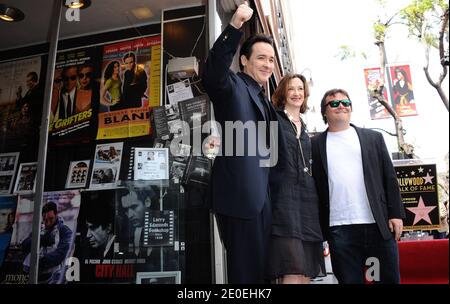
[(130, 85), (418, 187), (74, 97), (21, 99), (145, 235), (56, 241), (402, 90), (96, 239), (373, 80), (8, 206)]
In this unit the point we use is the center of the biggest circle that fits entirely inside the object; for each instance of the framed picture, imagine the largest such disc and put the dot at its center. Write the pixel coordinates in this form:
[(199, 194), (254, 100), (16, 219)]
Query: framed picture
[(164, 277), (8, 166), (106, 167), (78, 174), (151, 163), (26, 178)]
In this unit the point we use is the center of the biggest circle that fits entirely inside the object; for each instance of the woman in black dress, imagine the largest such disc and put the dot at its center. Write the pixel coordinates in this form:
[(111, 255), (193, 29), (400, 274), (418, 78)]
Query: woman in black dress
[(296, 245)]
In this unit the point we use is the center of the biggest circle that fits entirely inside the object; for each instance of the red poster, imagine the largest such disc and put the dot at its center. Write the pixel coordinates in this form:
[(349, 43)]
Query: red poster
[(402, 91)]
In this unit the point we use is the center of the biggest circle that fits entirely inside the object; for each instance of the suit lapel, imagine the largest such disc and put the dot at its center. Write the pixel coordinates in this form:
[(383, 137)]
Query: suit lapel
[(254, 93), (323, 150), (255, 99), (364, 146)]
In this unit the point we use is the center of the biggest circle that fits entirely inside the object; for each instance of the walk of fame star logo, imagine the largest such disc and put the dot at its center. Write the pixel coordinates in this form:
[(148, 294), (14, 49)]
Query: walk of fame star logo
[(421, 212), (428, 179)]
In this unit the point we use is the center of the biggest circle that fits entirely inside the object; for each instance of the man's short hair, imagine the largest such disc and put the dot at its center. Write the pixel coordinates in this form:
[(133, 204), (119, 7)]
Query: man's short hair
[(33, 76), (128, 55), (142, 196), (101, 212), (323, 103), (247, 47), (50, 206)]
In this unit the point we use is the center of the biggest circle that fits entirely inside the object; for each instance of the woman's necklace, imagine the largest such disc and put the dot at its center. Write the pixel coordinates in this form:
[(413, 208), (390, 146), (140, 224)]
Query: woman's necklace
[(307, 170)]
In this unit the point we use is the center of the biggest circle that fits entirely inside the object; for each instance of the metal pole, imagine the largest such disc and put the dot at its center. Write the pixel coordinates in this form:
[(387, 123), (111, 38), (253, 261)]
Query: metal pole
[(388, 76), (43, 139)]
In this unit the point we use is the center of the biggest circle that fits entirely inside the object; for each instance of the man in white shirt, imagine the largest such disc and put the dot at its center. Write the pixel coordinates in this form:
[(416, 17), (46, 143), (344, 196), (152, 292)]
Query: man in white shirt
[(360, 204)]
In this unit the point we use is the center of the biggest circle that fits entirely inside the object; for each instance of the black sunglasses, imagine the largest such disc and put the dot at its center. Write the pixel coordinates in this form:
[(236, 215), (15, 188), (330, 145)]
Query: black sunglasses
[(87, 75), (335, 103)]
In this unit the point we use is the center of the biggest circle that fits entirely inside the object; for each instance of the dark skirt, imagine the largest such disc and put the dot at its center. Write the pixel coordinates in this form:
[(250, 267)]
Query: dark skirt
[(295, 257)]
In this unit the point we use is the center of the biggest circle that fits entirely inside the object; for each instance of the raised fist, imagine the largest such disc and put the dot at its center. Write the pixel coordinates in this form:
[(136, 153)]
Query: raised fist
[(241, 15)]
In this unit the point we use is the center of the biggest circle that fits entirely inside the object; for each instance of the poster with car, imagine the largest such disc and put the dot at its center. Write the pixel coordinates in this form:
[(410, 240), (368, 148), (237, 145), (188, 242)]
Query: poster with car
[(106, 167)]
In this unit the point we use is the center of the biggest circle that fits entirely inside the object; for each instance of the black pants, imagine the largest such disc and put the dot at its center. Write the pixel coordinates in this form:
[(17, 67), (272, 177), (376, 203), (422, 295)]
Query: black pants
[(353, 248), (246, 243)]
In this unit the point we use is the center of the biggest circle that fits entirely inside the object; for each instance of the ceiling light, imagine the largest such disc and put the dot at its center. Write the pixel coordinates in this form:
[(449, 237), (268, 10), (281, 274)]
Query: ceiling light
[(9, 13), (77, 4), (142, 13)]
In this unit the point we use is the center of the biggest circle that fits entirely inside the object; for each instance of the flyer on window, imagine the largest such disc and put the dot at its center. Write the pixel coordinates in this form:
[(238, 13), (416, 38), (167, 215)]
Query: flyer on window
[(26, 178), (106, 168), (78, 173), (151, 164), (8, 165)]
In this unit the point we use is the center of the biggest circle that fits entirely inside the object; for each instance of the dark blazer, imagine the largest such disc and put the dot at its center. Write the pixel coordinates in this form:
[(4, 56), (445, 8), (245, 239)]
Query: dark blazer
[(62, 106), (134, 87), (379, 177), (239, 185)]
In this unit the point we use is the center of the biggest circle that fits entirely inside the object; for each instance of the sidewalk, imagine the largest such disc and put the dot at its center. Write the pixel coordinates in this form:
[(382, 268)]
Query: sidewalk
[(330, 278)]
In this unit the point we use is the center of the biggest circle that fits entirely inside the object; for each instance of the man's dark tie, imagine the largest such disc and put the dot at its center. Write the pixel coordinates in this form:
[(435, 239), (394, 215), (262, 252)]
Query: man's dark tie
[(267, 114), (69, 106)]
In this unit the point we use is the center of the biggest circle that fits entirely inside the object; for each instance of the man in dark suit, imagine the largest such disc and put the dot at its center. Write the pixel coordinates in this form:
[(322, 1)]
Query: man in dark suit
[(99, 225), (134, 84), (361, 210), (68, 96), (239, 183), (33, 97)]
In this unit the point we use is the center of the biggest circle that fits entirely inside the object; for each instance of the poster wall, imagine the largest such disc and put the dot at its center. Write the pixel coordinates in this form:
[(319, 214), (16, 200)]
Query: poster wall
[(418, 188), (130, 85)]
